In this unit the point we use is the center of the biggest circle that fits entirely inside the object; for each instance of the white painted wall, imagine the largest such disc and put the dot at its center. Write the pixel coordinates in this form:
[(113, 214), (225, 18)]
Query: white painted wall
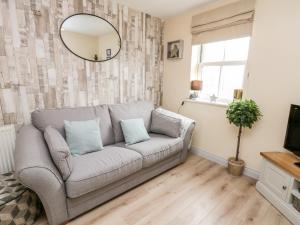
[(274, 68)]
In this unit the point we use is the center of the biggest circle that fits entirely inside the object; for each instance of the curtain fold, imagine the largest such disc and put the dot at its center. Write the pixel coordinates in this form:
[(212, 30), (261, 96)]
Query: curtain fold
[(227, 22)]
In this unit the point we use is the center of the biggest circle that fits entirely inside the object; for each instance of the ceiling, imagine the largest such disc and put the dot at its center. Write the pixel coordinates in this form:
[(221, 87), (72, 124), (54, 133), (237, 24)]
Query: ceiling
[(163, 8), (86, 24)]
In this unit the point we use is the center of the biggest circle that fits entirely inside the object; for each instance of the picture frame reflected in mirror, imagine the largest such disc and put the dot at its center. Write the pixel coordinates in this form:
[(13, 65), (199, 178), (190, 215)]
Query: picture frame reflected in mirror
[(108, 53)]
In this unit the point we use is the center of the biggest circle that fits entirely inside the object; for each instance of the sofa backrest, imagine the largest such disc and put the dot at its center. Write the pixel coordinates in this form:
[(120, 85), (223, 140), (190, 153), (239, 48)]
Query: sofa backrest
[(141, 109), (55, 117), (107, 133)]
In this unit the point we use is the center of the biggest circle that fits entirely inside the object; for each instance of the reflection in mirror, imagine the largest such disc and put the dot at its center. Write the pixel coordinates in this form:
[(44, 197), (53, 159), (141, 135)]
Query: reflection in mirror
[(90, 37)]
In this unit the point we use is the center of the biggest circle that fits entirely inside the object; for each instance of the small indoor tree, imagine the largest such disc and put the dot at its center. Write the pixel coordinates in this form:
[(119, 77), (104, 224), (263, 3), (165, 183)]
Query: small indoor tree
[(243, 114)]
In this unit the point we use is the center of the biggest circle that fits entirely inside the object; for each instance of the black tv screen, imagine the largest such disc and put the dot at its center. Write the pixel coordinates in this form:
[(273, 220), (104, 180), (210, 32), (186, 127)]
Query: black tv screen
[(292, 138)]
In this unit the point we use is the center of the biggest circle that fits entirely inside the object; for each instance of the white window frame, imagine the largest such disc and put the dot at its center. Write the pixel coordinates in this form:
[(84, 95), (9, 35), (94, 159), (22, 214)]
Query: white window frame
[(221, 64)]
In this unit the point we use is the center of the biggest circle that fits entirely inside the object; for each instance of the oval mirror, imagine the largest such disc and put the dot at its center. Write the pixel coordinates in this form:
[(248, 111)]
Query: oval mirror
[(90, 37)]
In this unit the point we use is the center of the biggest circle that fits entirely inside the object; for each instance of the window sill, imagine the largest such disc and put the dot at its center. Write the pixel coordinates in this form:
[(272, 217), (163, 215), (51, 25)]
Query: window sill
[(207, 102)]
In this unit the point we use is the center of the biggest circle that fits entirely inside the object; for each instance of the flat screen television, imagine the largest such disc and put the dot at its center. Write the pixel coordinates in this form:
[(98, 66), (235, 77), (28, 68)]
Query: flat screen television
[(292, 138)]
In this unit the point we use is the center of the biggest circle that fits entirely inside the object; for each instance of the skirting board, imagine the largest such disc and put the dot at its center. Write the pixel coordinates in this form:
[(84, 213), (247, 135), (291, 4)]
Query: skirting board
[(217, 159)]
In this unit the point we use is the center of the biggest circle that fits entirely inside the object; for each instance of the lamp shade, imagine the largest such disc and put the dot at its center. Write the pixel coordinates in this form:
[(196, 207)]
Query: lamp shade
[(196, 85)]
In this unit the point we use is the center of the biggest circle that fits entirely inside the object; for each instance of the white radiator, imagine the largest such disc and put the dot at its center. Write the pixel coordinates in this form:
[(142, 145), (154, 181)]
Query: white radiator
[(7, 147)]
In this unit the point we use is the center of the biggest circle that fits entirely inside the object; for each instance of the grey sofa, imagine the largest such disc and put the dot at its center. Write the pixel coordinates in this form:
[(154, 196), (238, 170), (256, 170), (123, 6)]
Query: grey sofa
[(99, 176)]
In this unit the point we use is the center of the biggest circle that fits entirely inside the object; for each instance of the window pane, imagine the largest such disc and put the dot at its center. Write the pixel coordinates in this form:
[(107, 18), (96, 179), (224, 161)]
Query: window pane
[(219, 77), (237, 49), (213, 52), (231, 78), (210, 77)]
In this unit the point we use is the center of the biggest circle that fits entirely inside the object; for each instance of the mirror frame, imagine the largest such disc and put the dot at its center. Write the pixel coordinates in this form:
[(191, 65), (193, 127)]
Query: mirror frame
[(120, 40)]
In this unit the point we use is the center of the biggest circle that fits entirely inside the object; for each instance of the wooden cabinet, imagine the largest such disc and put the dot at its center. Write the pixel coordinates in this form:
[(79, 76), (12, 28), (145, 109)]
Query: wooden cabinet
[(276, 180), (279, 183)]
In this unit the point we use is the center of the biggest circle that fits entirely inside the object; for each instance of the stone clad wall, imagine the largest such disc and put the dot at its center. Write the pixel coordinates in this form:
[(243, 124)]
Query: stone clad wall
[(37, 71)]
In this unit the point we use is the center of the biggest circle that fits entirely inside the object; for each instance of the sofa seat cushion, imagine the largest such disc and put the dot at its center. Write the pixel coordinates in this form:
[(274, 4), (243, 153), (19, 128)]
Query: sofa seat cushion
[(98, 169), (158, 148)]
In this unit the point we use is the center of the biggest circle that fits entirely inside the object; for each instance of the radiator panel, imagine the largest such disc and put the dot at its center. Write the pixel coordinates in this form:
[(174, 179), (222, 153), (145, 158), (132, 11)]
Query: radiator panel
[(7, 147)]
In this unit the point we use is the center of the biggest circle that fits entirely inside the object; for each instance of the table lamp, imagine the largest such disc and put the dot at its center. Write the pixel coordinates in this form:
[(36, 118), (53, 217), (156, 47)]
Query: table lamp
[(196, 86)]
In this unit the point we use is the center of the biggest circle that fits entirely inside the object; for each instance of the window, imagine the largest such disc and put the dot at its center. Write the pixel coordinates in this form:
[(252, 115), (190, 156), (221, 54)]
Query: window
[(221, 67)]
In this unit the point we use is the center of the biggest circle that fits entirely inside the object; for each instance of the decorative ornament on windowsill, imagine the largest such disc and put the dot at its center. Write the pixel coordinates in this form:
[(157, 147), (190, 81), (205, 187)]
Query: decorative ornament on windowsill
[(196, 86), (213, 98), (238, 94)]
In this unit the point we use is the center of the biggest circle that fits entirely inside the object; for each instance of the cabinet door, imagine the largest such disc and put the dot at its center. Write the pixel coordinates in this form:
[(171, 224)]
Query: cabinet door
[(276, 180)]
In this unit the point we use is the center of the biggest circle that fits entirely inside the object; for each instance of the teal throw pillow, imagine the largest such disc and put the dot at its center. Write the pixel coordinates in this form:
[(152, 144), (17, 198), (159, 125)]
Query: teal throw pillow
[(83, 136), (134, 131)]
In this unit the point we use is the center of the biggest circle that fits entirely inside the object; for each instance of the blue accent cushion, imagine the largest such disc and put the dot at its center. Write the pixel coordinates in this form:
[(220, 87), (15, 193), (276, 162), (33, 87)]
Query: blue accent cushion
[(134, 131), (83, 136)]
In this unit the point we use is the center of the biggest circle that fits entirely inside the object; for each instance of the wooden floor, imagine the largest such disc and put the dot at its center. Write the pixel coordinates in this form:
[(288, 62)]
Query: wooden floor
[(198, 192)]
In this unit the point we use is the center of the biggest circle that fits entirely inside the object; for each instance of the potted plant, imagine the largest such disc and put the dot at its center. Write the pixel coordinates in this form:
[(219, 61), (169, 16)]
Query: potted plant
[(243, 114)]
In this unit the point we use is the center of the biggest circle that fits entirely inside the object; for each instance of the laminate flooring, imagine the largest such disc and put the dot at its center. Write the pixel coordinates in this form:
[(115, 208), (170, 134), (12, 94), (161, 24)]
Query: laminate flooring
[(198, 192)]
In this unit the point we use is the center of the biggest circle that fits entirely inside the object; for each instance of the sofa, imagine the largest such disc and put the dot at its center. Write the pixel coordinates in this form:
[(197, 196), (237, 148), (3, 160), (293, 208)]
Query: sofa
[(98, 176)]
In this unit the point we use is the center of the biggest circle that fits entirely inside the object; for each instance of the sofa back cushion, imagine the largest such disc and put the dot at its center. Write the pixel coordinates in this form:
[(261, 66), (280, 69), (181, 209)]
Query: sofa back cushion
[(141, 109), (55, 118), (106, 128)]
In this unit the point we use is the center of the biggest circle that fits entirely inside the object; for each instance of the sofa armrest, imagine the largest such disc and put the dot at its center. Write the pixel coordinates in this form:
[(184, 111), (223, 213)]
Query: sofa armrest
[(186, 132), (187, 140), (34, 169)]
